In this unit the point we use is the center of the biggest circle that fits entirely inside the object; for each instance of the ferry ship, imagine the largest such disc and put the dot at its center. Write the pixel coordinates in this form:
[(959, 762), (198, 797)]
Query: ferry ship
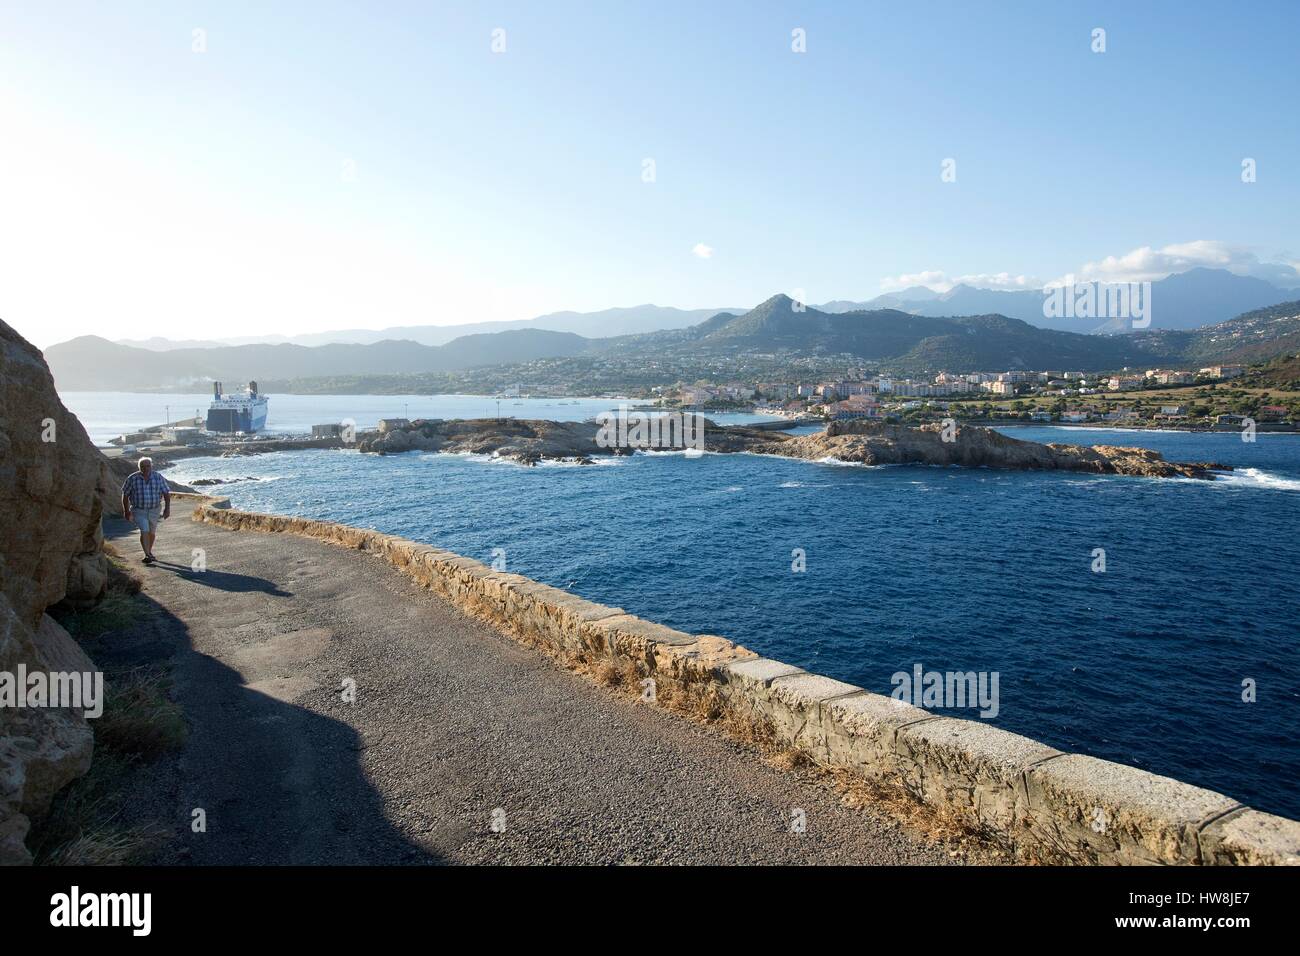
[(244, 412)]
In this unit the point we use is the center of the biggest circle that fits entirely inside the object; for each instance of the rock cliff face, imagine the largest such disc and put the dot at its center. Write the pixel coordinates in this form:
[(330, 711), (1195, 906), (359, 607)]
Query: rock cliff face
[(869, 443), (53, 484)]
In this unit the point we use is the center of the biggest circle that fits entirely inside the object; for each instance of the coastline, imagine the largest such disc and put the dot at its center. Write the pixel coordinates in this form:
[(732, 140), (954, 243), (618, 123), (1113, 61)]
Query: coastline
[(1270, 428), (1040, 802)]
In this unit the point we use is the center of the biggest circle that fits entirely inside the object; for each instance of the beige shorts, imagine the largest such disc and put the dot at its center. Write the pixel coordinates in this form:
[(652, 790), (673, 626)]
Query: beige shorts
[(146, 519)]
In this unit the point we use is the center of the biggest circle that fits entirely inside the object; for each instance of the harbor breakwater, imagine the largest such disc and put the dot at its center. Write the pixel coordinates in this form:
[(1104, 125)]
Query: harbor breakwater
[(1039, 802)]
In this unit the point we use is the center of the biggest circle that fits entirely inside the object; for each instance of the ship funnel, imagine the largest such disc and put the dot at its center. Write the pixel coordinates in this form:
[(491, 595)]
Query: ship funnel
[(216, 391), (252, 388)]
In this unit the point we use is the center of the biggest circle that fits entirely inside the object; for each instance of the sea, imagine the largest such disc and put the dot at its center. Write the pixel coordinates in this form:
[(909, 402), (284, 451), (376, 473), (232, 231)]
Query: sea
[(107, 415), (1154, 622)]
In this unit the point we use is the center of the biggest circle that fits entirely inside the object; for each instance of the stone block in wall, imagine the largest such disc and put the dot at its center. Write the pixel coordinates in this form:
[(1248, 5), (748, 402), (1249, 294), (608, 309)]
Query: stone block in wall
[(792, 705), (970, 768), (1249, 837), (460, 578), (697, 662), (860, 732), (556, 617), (432, 570), (1090, 810), (745, 685), (495, 594), (400, 552), (629, 637)]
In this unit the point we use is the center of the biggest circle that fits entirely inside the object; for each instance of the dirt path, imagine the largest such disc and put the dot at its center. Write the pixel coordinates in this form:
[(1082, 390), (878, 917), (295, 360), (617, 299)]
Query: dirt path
[(454, 727)]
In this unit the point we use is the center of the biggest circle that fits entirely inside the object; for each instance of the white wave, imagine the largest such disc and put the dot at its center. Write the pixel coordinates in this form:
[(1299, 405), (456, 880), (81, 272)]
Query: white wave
[(1138, 431), (1257, 478), (495, 458), (793, 484), (189, 479), (463, 455), (680, 452), (575, 463), (840, 463)]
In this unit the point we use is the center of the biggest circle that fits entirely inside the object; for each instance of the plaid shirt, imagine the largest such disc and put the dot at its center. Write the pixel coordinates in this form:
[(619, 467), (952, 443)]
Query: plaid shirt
[(144, 493)]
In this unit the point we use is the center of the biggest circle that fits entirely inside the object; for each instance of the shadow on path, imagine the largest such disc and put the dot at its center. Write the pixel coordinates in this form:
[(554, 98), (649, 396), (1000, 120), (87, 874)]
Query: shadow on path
[(222, 580), (278, 784)]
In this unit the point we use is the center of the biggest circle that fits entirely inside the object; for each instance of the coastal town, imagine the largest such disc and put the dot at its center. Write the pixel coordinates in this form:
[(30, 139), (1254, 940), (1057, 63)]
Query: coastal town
[(1201, 398)]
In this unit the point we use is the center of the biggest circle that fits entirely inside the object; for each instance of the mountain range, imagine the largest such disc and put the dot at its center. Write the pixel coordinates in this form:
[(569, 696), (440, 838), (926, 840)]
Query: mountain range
[(891, 339), (91, 363), (603, 324), (1184, 300), (903, 342)]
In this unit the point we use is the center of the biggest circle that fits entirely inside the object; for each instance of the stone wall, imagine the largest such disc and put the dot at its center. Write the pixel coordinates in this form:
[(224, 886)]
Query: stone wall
[(1037, 801)]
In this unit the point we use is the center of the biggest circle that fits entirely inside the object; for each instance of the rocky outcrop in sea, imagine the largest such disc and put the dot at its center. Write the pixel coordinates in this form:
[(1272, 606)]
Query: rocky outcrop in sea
[(859, 442), (875, 443)]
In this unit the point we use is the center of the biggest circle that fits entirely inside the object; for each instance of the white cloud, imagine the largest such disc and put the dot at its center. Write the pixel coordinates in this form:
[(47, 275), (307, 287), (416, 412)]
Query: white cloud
[(1144, 264), (940, 281), (1147, 264), (703, 251), (933, 279)]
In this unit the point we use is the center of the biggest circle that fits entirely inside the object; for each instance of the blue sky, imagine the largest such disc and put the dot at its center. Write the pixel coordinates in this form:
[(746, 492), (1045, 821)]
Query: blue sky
[(361, 165)]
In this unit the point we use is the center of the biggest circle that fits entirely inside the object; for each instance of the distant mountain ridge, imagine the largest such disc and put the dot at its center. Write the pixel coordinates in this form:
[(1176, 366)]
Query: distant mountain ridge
[(915, 344), (1185, 300), (891, 339), (630, 320), (91, 363), (906, 341)]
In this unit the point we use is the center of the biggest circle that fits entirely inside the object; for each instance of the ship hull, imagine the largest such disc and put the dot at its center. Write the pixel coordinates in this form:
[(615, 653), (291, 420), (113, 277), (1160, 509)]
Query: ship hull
[(247, 418)]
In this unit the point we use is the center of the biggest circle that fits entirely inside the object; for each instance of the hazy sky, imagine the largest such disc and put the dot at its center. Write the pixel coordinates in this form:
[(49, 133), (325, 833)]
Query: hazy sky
[(325, 165)]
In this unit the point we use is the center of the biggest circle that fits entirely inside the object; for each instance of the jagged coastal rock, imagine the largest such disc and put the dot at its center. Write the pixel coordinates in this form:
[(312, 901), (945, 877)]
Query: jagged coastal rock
[(875, 443), (862, 442), (523, 440), (56, 485)]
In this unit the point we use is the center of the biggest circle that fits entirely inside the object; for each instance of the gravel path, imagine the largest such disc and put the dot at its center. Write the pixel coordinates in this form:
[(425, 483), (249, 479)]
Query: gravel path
[(461, 746)]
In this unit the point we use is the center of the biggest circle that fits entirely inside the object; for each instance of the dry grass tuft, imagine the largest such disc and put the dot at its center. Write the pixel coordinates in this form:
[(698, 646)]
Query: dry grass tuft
[(106, 846), (607, 674), (82, 827), (936, 824), (788, 759), (618, 674), (119, 608), (139, 718)]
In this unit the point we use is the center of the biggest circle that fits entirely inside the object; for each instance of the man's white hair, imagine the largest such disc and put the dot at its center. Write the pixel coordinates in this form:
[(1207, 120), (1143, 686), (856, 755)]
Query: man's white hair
[(146, 460)]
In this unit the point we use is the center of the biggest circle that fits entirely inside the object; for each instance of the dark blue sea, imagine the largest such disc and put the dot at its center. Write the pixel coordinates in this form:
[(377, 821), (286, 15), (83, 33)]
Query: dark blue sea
[(947, 568)]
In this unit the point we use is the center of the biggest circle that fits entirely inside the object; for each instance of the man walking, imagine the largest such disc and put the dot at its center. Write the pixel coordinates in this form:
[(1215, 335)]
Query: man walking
[(142, 493)]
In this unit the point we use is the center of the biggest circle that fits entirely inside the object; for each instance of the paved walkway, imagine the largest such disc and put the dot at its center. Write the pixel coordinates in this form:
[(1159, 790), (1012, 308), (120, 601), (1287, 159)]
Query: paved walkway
[(454, 725)]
